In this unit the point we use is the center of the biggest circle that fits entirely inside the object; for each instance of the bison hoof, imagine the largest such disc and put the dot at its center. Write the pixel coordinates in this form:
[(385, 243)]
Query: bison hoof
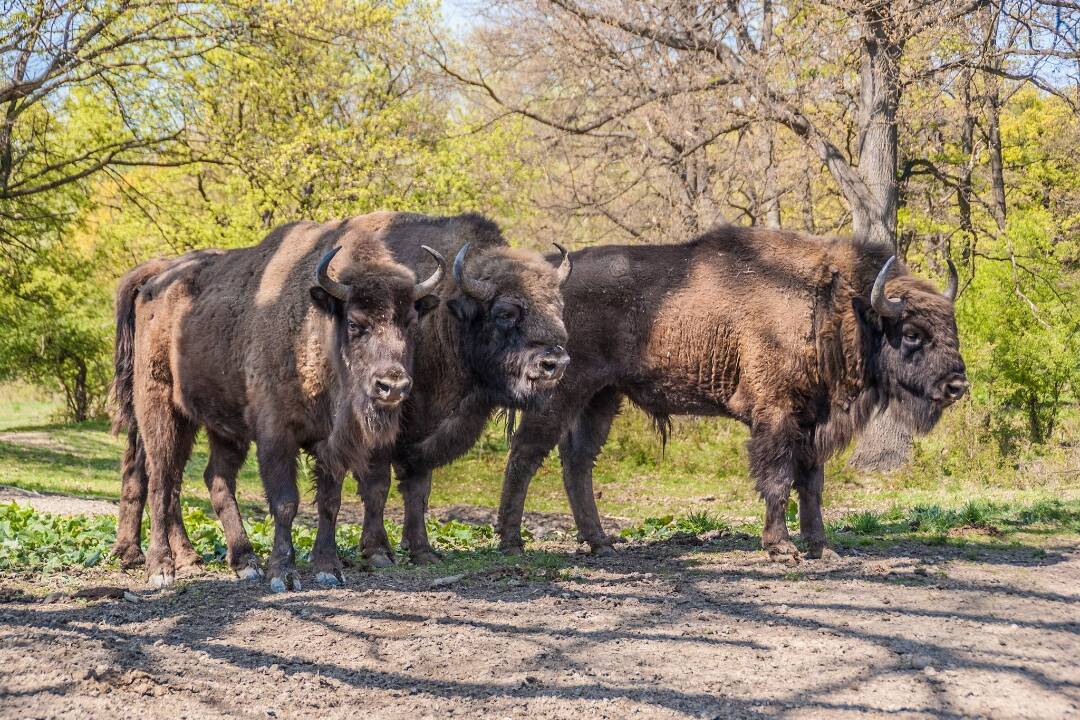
[(425, 557), (602, 549), (783, 552), (288, 581), (249, 573), (187, 559), (821, 552), (129, 555), (330, 579), (512, 549), (161, 578), (381, 559)]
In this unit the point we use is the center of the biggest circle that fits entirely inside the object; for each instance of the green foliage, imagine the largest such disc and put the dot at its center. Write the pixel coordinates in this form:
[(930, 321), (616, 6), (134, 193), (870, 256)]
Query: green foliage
[(57, 327), (667, 526), (42, 543), (865, 522)]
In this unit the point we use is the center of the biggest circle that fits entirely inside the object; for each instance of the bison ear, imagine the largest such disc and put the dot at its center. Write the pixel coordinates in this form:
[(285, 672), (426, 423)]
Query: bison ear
[(325, 301), (463, 308), (426, 304)]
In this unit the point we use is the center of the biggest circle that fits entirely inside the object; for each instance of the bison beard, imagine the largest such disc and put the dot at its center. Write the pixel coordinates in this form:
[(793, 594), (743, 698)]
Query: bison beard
[(801, 338), (495, 341), (254, 346)]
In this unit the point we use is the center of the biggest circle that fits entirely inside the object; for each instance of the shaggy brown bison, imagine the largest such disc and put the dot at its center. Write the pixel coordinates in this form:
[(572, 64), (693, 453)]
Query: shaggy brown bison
[(262, 344), (799, 337), (496, 341)]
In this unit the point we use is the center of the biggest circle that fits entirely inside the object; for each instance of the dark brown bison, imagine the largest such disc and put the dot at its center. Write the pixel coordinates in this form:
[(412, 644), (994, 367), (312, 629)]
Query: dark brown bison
[(262, 344), (496, 341), (799, 337)]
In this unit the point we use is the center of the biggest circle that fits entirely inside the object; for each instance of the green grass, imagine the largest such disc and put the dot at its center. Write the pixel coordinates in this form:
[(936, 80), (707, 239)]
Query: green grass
[(703, 470), (36, 543)]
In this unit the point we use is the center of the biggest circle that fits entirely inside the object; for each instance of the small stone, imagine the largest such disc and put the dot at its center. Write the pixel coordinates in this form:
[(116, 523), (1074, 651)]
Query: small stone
[(930, 670), (920, 662), (446, 581), (131, 597)]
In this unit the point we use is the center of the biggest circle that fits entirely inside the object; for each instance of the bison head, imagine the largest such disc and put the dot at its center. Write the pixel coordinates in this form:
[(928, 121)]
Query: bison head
[(918, 357), (373, 308), (508, 307)]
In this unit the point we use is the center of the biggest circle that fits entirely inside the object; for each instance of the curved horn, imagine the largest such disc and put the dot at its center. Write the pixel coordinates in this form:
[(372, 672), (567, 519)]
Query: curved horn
[(954, 280), (885, 306), (565, 266), (322, 276), (480, 289), (425, 288)]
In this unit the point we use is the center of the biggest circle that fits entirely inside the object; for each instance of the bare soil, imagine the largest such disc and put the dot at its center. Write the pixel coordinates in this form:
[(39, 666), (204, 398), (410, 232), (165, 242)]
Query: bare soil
[(675, 629)]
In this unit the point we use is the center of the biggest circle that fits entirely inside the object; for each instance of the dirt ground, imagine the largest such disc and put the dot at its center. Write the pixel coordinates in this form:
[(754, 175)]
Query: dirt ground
[(674, 629)]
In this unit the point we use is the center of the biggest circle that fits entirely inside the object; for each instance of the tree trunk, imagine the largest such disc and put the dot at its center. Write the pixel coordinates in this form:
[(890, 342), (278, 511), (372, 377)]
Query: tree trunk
[(885, 444), (80, 396), (993, 130)]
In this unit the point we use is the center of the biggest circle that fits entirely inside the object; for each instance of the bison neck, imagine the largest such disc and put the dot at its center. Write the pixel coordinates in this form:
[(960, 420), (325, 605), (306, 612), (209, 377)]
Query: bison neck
[(448, 409)]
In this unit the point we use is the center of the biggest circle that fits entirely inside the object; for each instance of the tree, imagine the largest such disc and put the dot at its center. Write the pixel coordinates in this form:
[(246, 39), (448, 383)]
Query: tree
[(612, 77), (108, 52)]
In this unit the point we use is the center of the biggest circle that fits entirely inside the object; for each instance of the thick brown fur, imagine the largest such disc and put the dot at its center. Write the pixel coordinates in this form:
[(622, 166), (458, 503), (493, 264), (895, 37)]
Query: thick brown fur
[(772, 328), (244, 344), (466, 367)]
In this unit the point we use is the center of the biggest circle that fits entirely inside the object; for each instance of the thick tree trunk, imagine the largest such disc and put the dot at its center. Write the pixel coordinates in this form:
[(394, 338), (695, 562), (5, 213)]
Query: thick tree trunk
[(885, 444)]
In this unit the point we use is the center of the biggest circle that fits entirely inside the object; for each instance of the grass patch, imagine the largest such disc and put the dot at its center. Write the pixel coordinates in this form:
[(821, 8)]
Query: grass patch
[(662, 528), (935, 525)]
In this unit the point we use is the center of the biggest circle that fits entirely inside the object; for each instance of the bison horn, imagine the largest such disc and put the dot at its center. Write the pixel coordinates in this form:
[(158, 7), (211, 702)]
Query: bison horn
[(479, 289), (885, 306), (425, 288), (322, 276), (954, 280), (565, 266)]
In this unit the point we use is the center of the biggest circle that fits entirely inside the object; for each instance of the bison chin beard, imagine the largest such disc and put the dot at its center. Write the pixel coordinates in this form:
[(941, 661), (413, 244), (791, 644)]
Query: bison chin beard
[(359, 427), (918, 414)]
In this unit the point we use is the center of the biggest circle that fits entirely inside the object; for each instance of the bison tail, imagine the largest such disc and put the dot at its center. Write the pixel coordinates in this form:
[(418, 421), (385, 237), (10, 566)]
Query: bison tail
[(122, 393)]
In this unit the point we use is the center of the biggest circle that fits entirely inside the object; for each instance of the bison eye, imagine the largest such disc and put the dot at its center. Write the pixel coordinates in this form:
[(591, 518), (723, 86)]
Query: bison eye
[(912, 338), (358, 329), (506, 316)]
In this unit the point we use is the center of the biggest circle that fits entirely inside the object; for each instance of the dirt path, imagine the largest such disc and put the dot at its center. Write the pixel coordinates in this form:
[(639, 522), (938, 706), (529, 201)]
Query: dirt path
[(664, 630)]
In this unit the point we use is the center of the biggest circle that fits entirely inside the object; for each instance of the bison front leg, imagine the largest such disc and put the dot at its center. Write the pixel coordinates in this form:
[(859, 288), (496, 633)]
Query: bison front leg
[(773, 467), (811, 525), (277, 466), (415, 484), (532, 442), (374, 484), (578, 451), (324, 554)]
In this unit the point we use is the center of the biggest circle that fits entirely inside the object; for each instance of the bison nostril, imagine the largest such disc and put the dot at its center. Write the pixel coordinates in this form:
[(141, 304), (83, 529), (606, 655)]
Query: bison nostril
[(955, 387), (391, 389), (549, 366)]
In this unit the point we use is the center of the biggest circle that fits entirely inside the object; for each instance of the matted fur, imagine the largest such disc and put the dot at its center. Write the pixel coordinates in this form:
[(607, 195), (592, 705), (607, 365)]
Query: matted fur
[(232, 341), (465, 370), (772, 328)]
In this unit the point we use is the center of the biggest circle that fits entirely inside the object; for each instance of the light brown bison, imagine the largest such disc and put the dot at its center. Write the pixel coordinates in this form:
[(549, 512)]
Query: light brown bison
[(496, 341), (260, 344), (799, 337)]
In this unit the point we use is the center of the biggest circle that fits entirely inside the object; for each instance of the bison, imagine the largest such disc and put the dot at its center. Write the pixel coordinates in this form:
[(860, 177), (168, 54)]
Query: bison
[(801, 338), (263, 344), (496, 340)]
